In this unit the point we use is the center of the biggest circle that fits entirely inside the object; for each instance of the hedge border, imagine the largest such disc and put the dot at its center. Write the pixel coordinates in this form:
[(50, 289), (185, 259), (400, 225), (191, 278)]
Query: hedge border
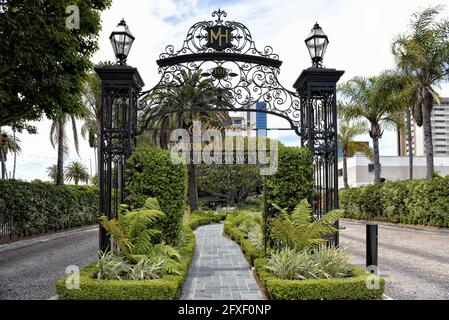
[(352, 288), (166, 288), (249, 250)]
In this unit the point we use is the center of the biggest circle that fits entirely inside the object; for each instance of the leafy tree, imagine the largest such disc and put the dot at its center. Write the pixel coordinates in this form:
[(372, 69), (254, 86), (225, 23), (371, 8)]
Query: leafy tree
[(374, 99), (423, 54), (52, 172), (77, 172), (10, 145), (346, 134), (189, 91), (230, 183), (42, 62)]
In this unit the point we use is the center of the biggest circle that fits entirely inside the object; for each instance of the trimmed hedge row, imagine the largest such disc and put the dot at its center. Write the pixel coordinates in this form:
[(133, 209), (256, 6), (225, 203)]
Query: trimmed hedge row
[(422, 202), (151, 173), (205, 218), (353, 288), (166, 288), (249, 250), (40, 207)]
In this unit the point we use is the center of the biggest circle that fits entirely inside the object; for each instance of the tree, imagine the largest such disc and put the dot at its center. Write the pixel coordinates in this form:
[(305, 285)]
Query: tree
[(8, 145), (346, 134), (423, 53), (188, 91), (43, 61), (374, 99), (59, 140), (230, 183), (52, 172), (77, 172), (91, 129)]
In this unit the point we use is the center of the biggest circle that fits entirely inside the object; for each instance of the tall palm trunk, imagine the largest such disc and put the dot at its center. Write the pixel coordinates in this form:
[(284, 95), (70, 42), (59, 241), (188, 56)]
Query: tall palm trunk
[(60, 165), (410, 141), (375, 135), (345, 169), (193, 189), (427, 128)]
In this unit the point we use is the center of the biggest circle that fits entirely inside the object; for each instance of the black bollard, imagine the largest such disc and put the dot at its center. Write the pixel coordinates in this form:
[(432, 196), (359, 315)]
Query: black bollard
[(371, 245)]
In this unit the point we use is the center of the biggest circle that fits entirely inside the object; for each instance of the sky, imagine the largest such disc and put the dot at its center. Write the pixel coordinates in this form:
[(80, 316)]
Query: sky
[(360, 34)]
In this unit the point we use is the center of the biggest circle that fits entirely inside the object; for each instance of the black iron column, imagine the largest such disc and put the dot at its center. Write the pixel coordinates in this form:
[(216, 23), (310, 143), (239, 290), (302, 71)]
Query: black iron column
[(317, 88), (120, 88)]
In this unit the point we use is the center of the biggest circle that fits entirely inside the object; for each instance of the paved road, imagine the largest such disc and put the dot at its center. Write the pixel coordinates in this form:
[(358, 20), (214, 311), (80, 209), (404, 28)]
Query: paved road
[(219, 270), (413, 260), (29, 269)]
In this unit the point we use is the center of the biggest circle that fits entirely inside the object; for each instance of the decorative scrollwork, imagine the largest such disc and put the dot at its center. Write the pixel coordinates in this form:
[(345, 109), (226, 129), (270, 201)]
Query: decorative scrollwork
[(248, 80)]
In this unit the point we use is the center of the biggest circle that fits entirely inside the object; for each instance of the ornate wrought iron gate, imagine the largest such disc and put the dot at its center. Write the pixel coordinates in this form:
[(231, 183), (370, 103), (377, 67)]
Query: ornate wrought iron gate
[(226, 52)]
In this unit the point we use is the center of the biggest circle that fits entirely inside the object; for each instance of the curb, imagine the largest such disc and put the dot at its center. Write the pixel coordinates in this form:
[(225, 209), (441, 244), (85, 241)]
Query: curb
[(41, 239), (400, 226)]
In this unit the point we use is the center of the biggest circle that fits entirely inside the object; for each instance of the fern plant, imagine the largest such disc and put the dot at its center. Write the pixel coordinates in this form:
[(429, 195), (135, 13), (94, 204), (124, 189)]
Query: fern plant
[(137, 235), (299, 231)]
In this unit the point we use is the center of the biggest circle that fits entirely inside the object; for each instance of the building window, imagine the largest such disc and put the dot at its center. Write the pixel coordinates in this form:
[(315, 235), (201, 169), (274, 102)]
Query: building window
[(371, 167), (340, 172)]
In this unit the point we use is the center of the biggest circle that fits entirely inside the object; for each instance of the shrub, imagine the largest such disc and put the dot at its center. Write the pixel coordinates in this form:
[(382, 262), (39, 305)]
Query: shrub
[(350, 288), (200, 218), (298, 231), (167, 287), (151, 173), (40, 207), (423, 202), (293, 180)]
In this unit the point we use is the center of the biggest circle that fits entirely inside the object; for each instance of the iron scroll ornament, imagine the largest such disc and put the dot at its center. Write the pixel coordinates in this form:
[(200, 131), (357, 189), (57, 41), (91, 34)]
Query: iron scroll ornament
[(236, 66)]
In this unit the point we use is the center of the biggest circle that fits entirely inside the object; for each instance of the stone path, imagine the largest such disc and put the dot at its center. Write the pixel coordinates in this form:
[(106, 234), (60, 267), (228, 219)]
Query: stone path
[(219, 271)]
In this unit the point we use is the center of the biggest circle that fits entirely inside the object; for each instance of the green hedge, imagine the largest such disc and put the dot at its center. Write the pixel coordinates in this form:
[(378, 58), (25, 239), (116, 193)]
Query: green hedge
[(293, 180), (151, 173), (422, 202), (352, 288), (249, 250), (40, 207), (202, 218), (166, 288)]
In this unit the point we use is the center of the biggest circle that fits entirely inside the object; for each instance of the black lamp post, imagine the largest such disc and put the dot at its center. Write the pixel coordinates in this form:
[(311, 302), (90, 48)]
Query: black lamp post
[(316, 43), (121, 86), (122, 41)]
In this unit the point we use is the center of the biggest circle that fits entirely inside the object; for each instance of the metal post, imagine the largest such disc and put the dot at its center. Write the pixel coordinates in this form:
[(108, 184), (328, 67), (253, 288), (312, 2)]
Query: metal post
[(265, 213), (371, 245)]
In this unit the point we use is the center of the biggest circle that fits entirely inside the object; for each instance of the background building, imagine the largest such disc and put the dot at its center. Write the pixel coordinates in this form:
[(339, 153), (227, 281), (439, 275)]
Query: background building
[(440, 133), (250, 121), (361, 169)]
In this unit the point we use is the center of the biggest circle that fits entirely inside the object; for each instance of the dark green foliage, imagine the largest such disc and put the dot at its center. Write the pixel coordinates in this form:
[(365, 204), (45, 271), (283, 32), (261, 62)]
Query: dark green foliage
[(352, 288), (232, 184), (422, 202), (43, 63), (168, 287), (40, 207), (293, 180), (151, 173)]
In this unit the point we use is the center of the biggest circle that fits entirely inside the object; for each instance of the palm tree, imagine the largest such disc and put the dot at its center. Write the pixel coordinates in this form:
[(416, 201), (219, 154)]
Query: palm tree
[(374, 99), (52, 172), (59, 140), (423, 54), (188, 91), (346, 134), (8, 145), (77, 172), (91, 129)]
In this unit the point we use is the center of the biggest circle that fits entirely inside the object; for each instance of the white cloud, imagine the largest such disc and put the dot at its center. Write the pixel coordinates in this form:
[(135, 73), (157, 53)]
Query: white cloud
[(360, 34)]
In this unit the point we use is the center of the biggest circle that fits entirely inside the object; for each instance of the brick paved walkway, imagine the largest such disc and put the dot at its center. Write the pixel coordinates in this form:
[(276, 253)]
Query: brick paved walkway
[(219, 271)]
